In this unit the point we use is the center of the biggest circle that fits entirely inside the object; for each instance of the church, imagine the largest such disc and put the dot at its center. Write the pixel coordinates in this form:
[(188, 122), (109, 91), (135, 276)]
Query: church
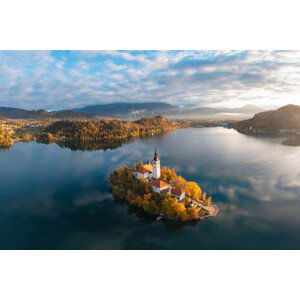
[(151, 171)]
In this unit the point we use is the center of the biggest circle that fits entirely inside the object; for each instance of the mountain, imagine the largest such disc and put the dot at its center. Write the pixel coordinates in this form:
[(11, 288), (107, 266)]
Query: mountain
[(215, 112), (71, 114), (131, 110), (17, 113), (273, 121)]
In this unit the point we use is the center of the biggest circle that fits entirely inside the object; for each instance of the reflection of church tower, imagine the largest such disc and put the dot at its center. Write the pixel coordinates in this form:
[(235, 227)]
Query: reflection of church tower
[(156, 165)]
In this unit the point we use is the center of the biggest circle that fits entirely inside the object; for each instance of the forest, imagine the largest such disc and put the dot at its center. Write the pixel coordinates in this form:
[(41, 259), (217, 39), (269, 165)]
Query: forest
[(107, 133), (6, 139)]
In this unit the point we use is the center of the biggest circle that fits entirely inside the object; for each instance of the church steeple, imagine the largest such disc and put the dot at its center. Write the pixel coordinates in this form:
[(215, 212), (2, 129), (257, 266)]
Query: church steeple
[(155, 155), (156, 165)]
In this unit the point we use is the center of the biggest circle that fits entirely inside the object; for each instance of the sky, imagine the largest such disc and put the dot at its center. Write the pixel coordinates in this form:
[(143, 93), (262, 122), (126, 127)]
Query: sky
[(56, 80)]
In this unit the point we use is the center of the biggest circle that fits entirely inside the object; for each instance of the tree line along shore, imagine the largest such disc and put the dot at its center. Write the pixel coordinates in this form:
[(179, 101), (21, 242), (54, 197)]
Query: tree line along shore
[(65, 132), (85, 134)]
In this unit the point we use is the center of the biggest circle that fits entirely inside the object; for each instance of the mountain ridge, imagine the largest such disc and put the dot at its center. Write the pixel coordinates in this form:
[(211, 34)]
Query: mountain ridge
[(128, 109), (19, 113), (131, 111)]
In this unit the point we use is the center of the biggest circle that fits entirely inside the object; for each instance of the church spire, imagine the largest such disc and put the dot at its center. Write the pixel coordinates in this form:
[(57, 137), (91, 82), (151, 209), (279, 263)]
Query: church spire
[(156, 165), (155, 155)]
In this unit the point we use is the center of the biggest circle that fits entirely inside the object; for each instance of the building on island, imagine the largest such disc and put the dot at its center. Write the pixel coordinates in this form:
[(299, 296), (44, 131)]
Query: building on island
[(156, 165), (178, 193), (143, 172), (151, 171), (158, 186)]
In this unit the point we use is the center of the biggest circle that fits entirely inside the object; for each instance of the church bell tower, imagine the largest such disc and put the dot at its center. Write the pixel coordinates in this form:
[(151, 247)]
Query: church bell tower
[(156, 165)]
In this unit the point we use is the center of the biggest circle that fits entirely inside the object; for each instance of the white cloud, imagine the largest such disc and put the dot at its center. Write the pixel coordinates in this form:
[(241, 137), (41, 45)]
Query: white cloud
[(36, 79)]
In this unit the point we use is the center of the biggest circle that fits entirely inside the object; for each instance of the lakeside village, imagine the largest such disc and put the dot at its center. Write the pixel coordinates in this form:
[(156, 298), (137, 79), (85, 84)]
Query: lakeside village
[(161, 192)]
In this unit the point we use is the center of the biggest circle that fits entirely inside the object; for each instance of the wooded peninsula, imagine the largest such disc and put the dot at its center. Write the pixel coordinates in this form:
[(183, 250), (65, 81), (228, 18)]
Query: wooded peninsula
[(84, 134)]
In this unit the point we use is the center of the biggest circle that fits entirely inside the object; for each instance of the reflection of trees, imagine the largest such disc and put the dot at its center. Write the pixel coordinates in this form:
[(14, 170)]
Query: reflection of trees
[(170, 225), (4, 148), (92, 145), (292, 141)]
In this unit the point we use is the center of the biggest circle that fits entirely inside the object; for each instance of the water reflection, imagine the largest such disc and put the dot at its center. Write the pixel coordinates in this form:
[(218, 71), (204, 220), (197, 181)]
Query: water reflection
[(81, 145), (55, 198)]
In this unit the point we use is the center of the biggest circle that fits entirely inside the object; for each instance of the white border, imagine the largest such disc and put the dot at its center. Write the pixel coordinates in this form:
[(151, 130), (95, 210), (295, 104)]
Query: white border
[(136, 24), (149, 275), (156, 24)]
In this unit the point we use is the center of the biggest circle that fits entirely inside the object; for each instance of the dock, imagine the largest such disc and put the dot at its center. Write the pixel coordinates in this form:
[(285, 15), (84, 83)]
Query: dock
[(212, 209)]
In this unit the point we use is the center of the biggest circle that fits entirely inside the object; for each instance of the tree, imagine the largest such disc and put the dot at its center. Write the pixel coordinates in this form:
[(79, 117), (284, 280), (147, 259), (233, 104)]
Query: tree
[(138, 165), (147, 196), (138, 201), (192, 213), (117, 192), (168, 174), (174, 210), (193, 190), (153, 208), (146, 205), (208, 201), (5, 138), (130, 196)]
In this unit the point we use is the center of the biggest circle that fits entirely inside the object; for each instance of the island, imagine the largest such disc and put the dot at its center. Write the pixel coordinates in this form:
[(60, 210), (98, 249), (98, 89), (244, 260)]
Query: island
[(161, 192)]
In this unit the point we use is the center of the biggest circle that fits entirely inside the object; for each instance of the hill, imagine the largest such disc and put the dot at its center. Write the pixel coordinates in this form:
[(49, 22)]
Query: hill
[(110, 129), (273, 121), (17, 113), (130, 110)]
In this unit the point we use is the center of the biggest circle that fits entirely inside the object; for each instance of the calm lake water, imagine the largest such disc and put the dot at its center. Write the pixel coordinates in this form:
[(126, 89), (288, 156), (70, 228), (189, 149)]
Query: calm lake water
[(56, 198)]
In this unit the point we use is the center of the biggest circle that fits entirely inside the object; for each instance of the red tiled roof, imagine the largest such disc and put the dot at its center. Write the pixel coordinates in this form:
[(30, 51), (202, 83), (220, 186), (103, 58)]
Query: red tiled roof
[(142, 170), (158, 183), (177, 191), (148, 167)]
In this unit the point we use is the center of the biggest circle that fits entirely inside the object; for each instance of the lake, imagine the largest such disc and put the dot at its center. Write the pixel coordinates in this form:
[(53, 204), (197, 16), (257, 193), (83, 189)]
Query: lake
[(56, 198)]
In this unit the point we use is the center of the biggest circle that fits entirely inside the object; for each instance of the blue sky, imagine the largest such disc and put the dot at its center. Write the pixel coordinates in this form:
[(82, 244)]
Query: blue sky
[(68, 79)]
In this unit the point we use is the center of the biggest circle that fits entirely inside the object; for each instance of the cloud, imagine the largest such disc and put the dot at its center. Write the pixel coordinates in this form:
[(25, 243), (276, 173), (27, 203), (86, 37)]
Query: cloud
[(68, 79)]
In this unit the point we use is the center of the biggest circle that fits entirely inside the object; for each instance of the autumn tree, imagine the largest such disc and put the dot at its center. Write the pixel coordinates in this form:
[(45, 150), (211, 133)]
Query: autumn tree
[(208, 201), (5, 138), (138, 201), (192, 213), (153, 208), (168, 174), (138, 165), (130, 196), (193, 190)]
